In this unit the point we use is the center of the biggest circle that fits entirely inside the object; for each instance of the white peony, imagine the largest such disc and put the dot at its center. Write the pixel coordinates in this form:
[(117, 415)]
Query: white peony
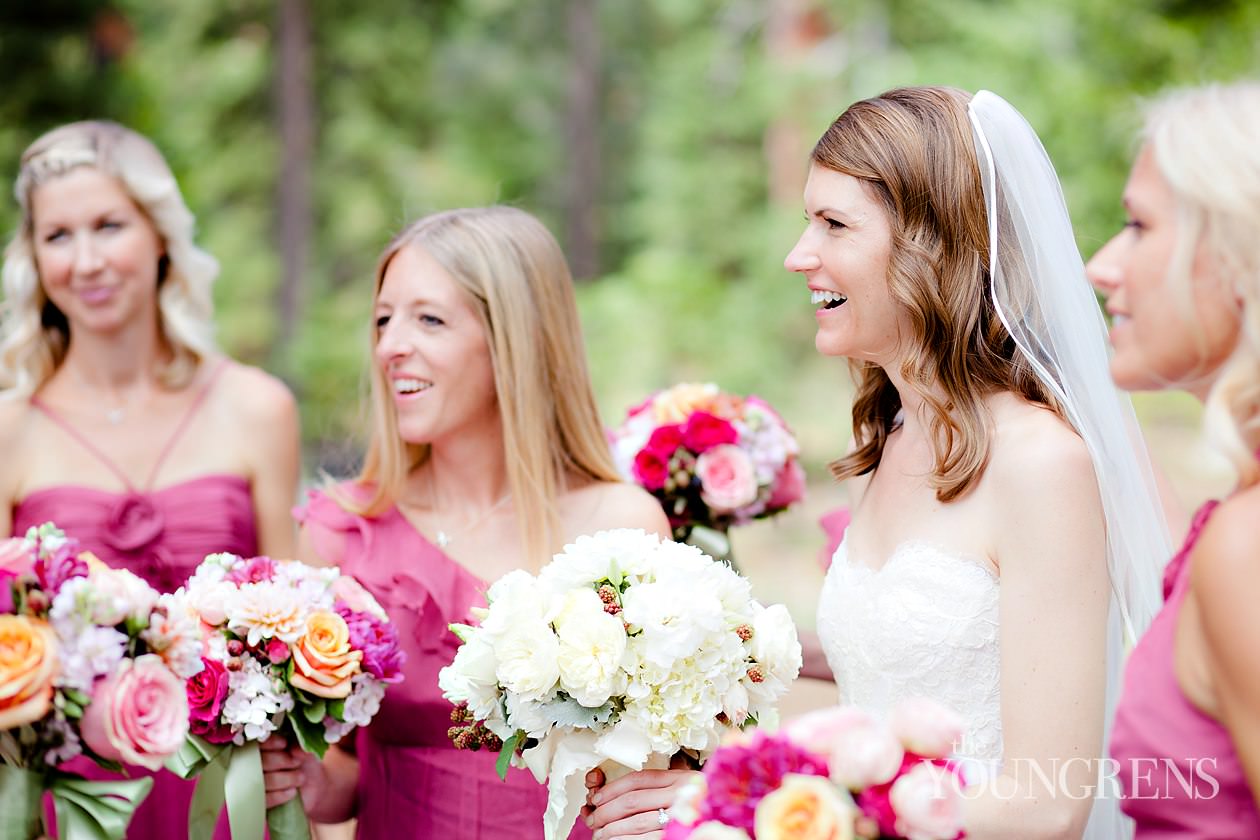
[(619, 554), (777, 651), (471, 679), (674, 620)]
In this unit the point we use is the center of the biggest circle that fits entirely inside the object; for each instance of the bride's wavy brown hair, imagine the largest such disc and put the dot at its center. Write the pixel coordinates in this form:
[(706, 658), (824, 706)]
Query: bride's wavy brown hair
[(913, 150)]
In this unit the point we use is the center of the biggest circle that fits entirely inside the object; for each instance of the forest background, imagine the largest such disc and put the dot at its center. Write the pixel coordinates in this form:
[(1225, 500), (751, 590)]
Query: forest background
[(663, 141)]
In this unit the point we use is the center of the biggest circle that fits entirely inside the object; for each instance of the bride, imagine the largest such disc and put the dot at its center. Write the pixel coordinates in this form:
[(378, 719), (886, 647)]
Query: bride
[(1006, 536)]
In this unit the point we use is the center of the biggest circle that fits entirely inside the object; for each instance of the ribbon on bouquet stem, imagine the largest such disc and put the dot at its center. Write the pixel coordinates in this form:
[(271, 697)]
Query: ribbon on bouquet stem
[(86, 810), (232, 775)]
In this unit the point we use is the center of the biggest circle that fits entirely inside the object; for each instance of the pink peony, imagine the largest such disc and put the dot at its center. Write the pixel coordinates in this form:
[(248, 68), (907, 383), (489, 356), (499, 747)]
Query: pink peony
[(139, 714), (383, 657), (926, 728), (650, 469), (704, 431), (928, 803), (819, 731), (865, 754), (253, 570), (739, 775), (728, 480)]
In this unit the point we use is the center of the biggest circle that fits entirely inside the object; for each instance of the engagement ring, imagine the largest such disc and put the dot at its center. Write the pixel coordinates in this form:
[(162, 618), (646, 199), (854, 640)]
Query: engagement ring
[(662, 816)]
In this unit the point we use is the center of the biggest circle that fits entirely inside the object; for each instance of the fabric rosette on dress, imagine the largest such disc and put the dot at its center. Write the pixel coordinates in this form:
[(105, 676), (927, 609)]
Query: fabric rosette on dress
[(92, 662), (837, 773), (289, 649), (623, 651), (714, 460)]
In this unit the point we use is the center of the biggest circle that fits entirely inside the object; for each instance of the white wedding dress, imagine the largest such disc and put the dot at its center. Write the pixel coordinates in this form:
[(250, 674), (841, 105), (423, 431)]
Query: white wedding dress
[(922, 624)]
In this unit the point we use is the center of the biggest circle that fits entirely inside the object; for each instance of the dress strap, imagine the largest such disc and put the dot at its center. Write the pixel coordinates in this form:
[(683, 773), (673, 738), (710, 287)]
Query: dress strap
[(87, 444), (184, 421), (83, 440)]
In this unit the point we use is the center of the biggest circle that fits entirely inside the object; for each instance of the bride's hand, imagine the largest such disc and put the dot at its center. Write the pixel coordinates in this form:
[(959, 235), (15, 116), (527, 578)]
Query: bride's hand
[(631, 807)]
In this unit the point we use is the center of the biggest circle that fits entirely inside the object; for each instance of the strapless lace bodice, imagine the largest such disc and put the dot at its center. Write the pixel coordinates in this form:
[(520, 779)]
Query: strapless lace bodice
[(925, 624)]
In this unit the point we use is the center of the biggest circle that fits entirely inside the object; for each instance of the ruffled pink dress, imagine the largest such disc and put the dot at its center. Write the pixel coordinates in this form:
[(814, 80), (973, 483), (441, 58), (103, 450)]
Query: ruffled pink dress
[(1180, 774), (412, 782), (161, 535)]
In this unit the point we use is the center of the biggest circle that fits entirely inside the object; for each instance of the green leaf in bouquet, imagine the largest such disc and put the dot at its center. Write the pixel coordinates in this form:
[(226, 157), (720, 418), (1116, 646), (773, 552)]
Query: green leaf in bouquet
[(337, 709), (315, 712), (463, 632), (566, 711), (133, 625), (505, 755), (310, 735)]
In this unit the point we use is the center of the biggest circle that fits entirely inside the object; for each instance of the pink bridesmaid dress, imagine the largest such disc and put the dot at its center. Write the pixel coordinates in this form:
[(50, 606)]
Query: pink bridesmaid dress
[(1180, 774), (161, 535), (412, 782)]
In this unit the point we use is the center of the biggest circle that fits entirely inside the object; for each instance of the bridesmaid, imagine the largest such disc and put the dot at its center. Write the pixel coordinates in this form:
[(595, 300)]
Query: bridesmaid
[(1182, 282), (487, 455), (120, 420)]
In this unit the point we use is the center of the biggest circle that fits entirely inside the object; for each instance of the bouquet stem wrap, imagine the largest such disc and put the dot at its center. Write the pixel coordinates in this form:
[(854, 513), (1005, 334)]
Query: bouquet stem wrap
[(85, 810), (232, 775)]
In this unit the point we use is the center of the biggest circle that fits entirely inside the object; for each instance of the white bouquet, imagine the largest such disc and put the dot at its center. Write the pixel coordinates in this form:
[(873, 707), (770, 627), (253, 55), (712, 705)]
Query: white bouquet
[(623, 651)]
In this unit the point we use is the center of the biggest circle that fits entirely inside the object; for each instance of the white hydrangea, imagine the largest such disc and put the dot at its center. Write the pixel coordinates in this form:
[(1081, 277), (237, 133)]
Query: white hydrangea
[(255, 701)]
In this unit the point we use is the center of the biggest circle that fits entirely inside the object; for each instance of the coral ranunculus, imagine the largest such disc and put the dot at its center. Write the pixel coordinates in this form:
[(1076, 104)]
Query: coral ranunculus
[(323, 661), (805, 808), (28, 663), (139, 714)]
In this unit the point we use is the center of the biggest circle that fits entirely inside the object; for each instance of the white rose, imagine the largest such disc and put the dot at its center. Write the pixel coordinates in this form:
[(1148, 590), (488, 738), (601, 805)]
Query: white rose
[(528, 715), (592, 643), (470, 678), (527, 660), (926, 728), (517, 599), (928, 803)]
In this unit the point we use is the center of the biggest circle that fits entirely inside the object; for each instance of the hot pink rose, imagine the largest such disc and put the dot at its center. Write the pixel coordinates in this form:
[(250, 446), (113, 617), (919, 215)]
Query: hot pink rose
[(206, 690), (926, 728), (703, 431), (665, 440), (650, 469), (139, 714), (928, 803), (728, 480), (789, 486)]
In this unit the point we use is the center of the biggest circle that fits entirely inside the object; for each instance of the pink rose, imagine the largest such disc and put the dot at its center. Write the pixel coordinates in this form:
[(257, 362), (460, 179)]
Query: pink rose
[(865, 754), (928, 803), (926, 728), (138, 715), (16, 559), (703, 431), (650, 469), (789, 486), (349, 591), (728, 480), (253, 570)]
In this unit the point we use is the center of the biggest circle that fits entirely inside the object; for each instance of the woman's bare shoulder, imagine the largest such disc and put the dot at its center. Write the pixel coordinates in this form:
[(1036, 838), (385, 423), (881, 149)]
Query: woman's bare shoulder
[(603, 505)]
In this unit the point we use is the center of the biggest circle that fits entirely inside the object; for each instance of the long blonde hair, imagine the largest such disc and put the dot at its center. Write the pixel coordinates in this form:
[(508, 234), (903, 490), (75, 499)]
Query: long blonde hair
[(516, 277), (912, 149), (1204, 145), (34, 333)]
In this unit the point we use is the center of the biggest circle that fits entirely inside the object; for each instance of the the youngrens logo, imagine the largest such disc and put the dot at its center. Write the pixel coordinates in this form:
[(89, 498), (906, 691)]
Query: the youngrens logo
[(1082, 778)]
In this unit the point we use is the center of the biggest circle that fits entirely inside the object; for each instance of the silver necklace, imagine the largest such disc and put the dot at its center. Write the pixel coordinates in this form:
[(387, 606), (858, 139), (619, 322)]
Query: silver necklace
[(443, 537)]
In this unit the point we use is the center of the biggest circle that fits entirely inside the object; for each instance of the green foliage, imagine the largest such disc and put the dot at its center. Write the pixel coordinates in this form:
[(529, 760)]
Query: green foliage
[(423, 106)]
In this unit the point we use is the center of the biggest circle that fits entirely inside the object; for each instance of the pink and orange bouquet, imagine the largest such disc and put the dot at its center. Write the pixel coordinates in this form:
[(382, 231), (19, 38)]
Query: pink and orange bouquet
[(92, 662), (838, 774), (712, 458), (288, 648)]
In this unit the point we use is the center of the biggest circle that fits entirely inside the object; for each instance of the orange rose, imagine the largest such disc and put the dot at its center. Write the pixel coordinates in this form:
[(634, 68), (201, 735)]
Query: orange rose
[(323, 662), (28, 663), (677, 404), (805, 808)]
